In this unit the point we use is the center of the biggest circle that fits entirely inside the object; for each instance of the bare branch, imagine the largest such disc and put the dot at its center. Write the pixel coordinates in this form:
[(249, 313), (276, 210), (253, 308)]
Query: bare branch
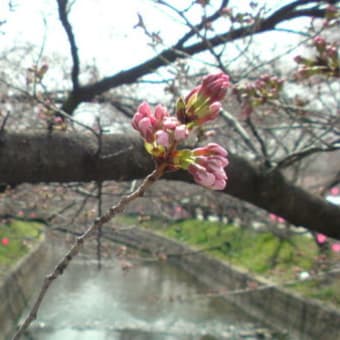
[(88, 92), (63, 16)]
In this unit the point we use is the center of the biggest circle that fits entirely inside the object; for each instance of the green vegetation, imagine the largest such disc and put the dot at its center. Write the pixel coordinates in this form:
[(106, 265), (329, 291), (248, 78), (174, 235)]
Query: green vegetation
[(21, 236), (262, 253)]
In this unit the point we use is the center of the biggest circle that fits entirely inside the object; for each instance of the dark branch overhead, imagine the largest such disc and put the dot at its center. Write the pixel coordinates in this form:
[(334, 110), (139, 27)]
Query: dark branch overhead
[(177, 51), (63, 16)]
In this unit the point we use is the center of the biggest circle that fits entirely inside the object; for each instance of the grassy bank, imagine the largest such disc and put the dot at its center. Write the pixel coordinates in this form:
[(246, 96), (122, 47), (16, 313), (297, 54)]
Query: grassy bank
[(16, 237), (282, 260)]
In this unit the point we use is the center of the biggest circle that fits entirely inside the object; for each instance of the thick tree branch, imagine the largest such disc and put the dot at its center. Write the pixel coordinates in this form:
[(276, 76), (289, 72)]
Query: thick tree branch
[(61, 157), (88, 92), (62, 8)]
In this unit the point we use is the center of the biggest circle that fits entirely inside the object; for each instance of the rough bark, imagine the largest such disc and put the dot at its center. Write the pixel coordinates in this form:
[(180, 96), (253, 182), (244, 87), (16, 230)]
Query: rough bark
[(60, 157)]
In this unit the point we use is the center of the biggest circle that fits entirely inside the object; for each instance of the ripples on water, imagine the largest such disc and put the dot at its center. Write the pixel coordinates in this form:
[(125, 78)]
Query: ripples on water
[(152, 301)]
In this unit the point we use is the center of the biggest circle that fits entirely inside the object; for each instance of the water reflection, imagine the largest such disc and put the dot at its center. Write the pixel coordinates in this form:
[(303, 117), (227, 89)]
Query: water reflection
[(151, 301)]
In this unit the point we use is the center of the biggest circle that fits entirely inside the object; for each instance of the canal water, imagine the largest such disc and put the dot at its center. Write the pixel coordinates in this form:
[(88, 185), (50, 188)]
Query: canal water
[(151, 301)]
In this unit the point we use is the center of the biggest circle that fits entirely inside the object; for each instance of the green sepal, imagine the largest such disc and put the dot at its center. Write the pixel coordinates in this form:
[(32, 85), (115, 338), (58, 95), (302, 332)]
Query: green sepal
[(183, 158), (155, 150)]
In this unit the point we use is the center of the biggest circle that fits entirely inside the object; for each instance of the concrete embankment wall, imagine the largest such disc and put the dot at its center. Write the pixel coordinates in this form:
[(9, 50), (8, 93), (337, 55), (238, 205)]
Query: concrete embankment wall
[(18, 286), (301, 318)]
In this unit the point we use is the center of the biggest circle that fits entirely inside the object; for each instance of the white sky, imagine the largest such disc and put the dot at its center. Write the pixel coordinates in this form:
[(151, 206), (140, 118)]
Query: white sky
[(103, 29), (104, 33)]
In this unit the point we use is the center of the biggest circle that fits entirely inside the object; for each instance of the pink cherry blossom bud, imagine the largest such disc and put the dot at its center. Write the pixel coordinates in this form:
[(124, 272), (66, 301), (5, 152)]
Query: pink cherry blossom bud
[(336, 247), (170, 123), (319, 41), (217, 149), (144, 109), (201, 175), (203, 102), (281, 220), (272, 217), (321, 238), (162, 138), (160, 112), (208, 166), (335, 191), (144, 126), (219, 184), (181, 132), (214, 86), (5, 241)]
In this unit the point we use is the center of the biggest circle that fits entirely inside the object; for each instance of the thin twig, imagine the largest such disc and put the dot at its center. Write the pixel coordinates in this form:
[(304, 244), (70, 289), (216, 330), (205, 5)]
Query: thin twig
[(74, 250)]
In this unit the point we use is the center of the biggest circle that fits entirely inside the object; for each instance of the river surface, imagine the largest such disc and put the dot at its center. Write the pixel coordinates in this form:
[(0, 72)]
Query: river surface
[(151, 301)]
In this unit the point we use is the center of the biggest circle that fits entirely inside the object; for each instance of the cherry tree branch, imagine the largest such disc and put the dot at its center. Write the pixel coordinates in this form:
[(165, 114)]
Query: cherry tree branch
[(167, 56), (63, 157), (63, 16)]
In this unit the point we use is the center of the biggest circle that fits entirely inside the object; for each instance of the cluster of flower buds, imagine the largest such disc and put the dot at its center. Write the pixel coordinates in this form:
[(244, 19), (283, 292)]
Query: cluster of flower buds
[(259, 92), (321, 239), (276, 219), (326, 61), (163, 132)]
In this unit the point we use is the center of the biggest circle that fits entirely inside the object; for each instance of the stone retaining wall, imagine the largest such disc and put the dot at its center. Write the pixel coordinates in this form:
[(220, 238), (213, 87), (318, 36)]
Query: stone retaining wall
[(18, 286), (301, 318)]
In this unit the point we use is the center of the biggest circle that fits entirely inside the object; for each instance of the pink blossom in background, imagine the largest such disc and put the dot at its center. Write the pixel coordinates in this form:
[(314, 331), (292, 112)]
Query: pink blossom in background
[(275, 218), (21, 213), (336, 247), (321, 238), (335, 191), (272, 217), (5, 241)]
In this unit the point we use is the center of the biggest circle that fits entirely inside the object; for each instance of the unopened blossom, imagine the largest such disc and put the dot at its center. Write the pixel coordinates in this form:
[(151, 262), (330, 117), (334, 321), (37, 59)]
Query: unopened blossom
[(181, 132), (147, 122), (203, 102), (214, 86), (162, 138), (335, 191), (5, 241), (321, 238), (336, 247), (208, 166)]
